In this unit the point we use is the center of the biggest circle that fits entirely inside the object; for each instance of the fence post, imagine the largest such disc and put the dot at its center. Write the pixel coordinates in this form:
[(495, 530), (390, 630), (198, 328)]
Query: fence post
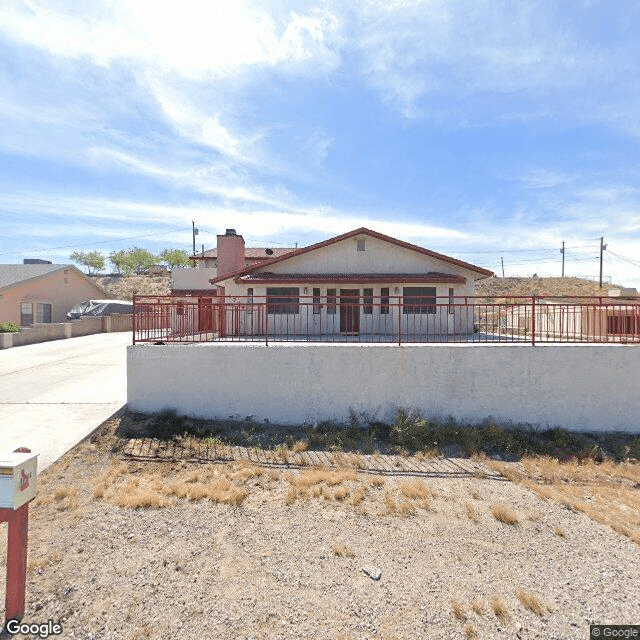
[(133, 320), (266, 331), (533, 321), (399, 323)]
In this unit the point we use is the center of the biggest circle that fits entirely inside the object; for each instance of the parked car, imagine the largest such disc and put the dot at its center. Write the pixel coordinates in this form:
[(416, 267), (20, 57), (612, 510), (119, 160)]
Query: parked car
[(100, 308)]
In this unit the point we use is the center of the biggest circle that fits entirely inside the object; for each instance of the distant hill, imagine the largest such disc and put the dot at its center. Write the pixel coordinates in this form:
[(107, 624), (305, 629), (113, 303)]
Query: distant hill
[(125, 287), (505, 287)]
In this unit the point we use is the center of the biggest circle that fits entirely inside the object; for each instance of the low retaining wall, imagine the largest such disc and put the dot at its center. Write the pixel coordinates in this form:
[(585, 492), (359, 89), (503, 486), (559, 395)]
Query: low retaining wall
[(59, 330), (590, 387)]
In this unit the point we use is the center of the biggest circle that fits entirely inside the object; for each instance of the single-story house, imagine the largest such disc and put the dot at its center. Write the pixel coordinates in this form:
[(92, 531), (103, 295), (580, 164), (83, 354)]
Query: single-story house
[(43, 293), (359, 283)]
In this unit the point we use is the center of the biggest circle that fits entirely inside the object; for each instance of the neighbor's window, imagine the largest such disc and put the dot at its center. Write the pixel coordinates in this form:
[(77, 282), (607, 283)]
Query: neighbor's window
[(26, 314), (331, 301), (419, 300), (384, 300), (283, 300), (250, 295), (367, 300), (316, 300), (451, 301), (360, 244), (180, 309), (43, 312)]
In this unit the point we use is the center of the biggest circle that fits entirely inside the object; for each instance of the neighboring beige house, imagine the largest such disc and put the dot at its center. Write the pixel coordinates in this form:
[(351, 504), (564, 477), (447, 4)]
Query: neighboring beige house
[(43, 293), (360, 282)]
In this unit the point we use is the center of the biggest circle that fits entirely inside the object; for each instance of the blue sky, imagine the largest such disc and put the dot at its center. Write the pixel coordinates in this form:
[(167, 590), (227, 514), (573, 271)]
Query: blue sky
[(481, 129)]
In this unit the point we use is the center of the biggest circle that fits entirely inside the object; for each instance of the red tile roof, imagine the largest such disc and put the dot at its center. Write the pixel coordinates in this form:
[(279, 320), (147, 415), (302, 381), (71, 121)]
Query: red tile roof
[(351, 234)]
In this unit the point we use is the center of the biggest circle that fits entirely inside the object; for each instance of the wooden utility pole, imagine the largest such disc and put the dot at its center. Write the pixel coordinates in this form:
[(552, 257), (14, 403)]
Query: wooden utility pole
[(502, 261), (603, 247), (562, 252), (195, 233)]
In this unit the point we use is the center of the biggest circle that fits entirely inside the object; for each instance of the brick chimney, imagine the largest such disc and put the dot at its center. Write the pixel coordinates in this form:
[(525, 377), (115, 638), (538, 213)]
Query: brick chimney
[(230, 253)]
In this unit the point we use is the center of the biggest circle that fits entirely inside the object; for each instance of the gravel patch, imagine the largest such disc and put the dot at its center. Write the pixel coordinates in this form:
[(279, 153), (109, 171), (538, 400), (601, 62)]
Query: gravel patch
[(288, 561)]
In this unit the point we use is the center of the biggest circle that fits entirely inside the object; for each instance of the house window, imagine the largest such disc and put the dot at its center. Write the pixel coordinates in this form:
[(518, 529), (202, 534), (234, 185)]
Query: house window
[(43, 312), (316, 300), (367, 299), (180, 309), (420, 300), (451, 301), (250, 295), (331, 301), (26, 314), (384, 300), (283, 300), (360, 244)]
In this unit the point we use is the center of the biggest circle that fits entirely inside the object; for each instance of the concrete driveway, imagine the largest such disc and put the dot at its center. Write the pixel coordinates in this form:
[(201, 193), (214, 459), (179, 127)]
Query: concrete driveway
[(53, 394)]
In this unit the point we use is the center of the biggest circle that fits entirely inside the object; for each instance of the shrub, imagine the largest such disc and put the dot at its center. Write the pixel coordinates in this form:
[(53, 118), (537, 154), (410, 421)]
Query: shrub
[(9, 327)]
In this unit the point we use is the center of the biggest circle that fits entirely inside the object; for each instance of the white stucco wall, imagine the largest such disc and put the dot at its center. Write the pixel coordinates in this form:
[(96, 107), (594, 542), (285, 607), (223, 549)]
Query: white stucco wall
[(593, 387)]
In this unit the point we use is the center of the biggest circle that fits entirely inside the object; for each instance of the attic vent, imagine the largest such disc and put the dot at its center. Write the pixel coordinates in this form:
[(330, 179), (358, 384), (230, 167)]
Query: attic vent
[(269, 252), (360, 244)]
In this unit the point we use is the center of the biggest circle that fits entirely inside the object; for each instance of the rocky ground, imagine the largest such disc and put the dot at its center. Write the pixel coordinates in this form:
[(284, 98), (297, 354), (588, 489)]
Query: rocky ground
[(130, 549)]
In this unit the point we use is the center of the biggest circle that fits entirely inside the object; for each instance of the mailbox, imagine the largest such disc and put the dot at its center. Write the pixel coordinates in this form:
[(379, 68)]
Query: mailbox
[(18, 477)]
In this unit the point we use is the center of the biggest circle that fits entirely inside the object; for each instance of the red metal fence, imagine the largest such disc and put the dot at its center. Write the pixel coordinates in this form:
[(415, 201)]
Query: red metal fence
[(393, 319)]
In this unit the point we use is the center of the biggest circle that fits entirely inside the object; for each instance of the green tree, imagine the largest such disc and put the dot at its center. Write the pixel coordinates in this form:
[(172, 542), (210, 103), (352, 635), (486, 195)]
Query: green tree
[(120, 260), (175, 258), (141, 259), (93, 260)]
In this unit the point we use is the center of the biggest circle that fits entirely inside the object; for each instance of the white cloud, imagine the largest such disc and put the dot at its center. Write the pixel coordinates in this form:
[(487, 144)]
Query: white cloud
[(194, 38)]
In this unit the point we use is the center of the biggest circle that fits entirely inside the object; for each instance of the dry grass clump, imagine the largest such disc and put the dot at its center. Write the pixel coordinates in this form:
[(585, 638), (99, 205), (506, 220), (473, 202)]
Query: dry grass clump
[(504, 514), (222, 491), (458, 610), (312, 477), (341, 493), (427, 454), (109, 478), (472, 514), (300, 446), (45, 561), (358, 496), (531, 601), (499, 608), (475, 494), (477, 606), (414, 490), (560, 532), (64, 492), (376, 481), (177, 488), (342, 550), (134, 497), (394, 508), (245, 471), (470, 631), (198, 491), (606, 492)]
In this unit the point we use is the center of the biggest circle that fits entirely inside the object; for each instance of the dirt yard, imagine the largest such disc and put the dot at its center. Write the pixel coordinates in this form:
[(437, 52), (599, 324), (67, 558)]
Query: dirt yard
[(134, 549)]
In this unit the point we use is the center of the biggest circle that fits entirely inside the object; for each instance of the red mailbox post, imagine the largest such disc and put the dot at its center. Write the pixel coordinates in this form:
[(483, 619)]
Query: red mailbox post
[(18, 474)]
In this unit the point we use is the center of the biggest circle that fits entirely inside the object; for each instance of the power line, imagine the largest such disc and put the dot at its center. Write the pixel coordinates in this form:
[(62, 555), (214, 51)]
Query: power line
[(629, 260), (86, 244)]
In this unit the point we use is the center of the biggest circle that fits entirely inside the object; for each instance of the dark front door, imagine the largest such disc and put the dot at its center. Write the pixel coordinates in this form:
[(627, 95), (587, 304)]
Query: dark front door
[(205, 314), (349, 310)]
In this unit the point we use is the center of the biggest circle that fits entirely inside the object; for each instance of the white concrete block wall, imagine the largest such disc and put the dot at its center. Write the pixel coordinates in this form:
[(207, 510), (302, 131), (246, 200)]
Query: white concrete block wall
[(592, 387)]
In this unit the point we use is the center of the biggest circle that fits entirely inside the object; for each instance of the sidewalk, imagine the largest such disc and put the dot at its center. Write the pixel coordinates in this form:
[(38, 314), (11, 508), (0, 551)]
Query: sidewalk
[(53, 394)]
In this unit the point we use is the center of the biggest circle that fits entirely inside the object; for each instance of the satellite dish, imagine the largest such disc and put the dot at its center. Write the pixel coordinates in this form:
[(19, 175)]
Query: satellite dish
[(269, 252)]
